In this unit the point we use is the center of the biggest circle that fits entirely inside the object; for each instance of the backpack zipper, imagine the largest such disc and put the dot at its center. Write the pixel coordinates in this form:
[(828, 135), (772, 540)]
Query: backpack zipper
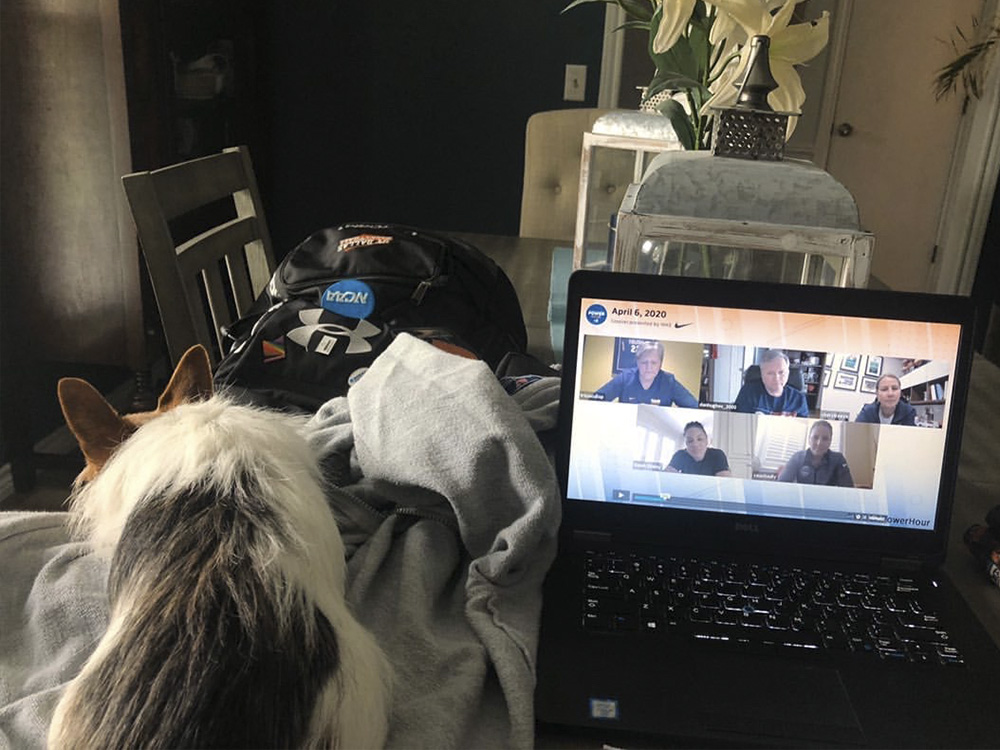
[(419, 291)]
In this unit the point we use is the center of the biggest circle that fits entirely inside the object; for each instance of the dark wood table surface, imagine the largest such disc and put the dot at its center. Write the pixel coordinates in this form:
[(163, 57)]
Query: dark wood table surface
[(528, 263)]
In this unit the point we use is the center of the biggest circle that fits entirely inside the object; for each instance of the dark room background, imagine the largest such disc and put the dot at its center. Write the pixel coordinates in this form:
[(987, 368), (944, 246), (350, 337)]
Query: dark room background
[(411, 112), (360, 110), (369, 111)]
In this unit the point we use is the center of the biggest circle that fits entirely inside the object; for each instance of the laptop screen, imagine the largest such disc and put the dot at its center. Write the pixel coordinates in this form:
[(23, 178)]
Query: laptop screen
[(824, 415)]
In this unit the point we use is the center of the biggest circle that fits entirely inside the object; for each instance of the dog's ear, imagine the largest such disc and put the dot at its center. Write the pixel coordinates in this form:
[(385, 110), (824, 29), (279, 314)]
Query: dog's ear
[(191, 381), (93, 421)]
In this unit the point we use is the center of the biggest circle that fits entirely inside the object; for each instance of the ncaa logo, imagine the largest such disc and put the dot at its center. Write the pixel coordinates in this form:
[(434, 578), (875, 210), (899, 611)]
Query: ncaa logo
[(596, 314), (350, 298)]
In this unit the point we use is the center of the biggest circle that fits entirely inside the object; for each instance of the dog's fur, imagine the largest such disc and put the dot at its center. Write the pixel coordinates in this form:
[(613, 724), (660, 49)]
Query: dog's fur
[(228, 620)]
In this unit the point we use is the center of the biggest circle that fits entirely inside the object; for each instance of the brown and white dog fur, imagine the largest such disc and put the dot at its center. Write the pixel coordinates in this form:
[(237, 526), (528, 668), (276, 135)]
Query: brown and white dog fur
[(228, 623)]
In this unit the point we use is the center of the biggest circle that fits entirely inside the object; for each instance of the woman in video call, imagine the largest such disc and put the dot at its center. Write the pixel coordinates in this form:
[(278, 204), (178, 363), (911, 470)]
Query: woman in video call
[(817, 464), (697, 457), (888, 406), (647, 382)]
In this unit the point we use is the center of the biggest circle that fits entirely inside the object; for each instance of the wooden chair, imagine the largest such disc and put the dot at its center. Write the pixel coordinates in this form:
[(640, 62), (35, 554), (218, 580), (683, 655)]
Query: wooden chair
[(203, 234)]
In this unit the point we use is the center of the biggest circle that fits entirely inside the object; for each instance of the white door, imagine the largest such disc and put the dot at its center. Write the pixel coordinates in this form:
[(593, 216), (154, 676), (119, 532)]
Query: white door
[(892, 143)]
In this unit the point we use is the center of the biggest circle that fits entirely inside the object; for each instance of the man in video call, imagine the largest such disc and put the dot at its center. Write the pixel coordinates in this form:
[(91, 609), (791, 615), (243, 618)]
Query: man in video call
[(647, 382), (772, 394)]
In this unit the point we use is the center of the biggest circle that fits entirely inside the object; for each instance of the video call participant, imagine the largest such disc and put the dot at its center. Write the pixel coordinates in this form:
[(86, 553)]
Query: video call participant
[(697, 457), (888, 406), (647, 382), (817, 464), (772, 394)]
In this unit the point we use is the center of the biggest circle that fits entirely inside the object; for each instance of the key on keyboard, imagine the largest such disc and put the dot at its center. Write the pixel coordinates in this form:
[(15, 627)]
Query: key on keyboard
[(764, 606)]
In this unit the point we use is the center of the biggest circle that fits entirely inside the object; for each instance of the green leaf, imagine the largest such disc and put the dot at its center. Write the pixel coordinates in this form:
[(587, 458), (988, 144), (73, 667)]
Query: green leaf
[(640, 9), (700, 94), (632, 25), (680, 121), (700, 13), (669, 81), (700, 49), (581, 2), (680, 59)]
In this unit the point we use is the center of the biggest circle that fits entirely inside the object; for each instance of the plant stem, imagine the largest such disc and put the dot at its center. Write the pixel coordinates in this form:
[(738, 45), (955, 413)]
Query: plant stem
[(695, 119), (722, 69)]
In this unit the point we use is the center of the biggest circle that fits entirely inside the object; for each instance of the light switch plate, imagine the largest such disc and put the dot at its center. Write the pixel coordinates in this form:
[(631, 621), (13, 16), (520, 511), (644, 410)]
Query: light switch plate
[(575, 86)]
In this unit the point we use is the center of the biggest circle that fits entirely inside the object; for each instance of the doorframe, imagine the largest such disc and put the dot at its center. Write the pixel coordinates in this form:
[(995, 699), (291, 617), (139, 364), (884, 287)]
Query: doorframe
[(836, 49), (609, 88), (972, 182)]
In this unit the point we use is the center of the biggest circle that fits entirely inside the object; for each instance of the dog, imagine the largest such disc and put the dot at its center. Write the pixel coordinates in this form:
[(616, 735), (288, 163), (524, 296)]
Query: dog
[(228, 625)]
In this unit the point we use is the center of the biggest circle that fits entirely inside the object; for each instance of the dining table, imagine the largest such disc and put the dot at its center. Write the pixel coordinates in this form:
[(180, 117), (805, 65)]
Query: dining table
[(527, 261)]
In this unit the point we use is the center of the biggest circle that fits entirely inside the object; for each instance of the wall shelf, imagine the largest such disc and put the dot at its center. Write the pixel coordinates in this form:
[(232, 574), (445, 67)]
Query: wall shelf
[(810, 365), (925, 385)]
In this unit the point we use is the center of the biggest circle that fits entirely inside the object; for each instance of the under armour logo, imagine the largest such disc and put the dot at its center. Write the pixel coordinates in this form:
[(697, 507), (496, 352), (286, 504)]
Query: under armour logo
[(357, 339)]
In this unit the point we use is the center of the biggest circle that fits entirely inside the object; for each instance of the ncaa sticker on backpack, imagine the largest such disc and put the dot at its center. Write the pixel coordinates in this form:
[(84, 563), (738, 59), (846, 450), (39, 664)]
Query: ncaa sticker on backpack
[(338, 299)]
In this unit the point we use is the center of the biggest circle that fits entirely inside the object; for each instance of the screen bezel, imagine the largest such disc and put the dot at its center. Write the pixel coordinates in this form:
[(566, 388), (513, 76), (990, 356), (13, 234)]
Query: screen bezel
[(741, 532)]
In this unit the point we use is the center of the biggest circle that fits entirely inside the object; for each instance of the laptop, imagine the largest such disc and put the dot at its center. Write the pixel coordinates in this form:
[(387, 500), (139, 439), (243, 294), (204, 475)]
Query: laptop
[(776, 601)]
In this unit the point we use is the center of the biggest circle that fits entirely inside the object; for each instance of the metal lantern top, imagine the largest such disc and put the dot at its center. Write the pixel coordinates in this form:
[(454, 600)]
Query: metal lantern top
[(751, 129), (790, 211), (696, 185), (758, 81)]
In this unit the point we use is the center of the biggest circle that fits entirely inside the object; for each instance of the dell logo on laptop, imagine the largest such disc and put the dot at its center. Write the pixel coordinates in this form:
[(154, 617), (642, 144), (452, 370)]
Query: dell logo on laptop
[(747, 528)]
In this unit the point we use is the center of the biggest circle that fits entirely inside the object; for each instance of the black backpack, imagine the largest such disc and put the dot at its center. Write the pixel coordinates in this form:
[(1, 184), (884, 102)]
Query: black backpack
[(339, 298)]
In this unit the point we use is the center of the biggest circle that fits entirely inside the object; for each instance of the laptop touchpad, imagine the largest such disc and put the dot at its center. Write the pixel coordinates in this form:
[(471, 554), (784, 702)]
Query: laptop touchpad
[(768, 700)]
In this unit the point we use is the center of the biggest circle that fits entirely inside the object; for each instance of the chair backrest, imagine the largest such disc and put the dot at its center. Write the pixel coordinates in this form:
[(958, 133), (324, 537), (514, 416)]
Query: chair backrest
[(795, 379), (553, 145), (203, 234)]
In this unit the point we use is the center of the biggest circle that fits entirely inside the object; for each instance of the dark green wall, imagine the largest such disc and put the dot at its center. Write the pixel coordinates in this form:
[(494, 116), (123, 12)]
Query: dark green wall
[(410, 112)]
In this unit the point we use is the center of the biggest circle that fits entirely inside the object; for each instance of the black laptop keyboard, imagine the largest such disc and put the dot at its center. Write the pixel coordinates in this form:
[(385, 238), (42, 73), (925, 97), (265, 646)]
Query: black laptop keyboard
[(757, 606)]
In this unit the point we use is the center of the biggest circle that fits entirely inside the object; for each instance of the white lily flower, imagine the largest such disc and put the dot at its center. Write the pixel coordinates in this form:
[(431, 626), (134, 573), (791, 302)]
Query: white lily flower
[(726, 26), (674, 19), (789, 46)]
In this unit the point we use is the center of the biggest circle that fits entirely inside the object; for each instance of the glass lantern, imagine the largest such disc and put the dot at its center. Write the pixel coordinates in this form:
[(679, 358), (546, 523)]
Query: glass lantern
[(697, 214), (615, 153)]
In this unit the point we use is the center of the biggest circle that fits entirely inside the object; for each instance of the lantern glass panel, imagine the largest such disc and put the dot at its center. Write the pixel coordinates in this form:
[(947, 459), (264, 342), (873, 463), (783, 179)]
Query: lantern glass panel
[(674, 258), (611, 172)]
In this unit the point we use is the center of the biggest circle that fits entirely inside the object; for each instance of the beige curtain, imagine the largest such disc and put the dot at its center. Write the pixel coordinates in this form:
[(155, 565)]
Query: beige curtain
[(70, 259)]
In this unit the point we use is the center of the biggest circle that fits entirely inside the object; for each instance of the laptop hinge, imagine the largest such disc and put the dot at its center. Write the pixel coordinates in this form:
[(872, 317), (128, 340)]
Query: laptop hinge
[(901, 565)]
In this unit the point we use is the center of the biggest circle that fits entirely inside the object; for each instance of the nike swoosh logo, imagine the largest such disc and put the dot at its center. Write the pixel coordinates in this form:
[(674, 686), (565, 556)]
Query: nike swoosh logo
[(682, 325)]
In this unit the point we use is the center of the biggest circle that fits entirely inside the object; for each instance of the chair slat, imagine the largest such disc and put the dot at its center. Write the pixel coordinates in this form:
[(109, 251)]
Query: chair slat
[(185, 276), (217, 304), (239, 281), (258, 255)]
